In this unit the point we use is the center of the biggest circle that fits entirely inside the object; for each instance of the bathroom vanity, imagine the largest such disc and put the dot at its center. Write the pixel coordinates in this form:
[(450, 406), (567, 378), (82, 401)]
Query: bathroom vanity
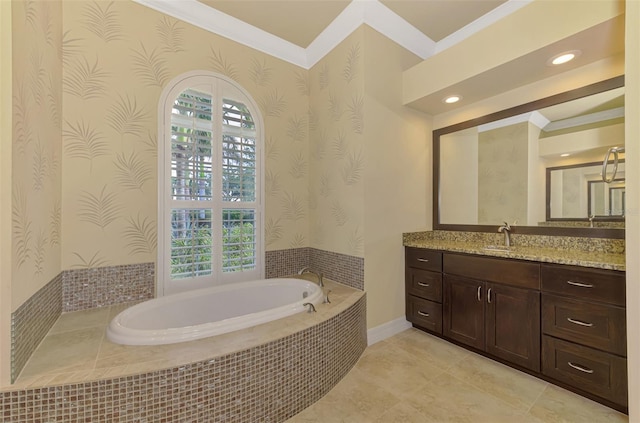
[(563, 323)]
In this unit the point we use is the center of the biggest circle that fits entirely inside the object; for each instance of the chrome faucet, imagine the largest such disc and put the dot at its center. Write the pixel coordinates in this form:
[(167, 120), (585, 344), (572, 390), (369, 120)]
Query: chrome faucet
[(593, 216), (318, 274), (506, 229)]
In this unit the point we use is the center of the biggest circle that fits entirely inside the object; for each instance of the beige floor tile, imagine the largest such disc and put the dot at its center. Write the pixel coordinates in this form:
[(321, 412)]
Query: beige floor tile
[(428, 347), (402, 413), (448, 399), (65, 352), (512, 386), (559, 405), (97, 317)]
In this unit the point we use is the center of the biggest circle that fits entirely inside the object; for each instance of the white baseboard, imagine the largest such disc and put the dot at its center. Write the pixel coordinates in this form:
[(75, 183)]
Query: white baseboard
[(387, 330)]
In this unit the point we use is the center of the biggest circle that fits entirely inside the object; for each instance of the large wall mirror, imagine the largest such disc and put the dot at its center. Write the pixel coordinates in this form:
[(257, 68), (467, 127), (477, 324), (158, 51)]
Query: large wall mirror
[(537, 166)]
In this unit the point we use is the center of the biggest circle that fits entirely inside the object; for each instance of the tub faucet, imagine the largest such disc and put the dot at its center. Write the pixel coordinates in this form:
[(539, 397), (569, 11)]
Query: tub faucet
[(506, 229), (318, 274)]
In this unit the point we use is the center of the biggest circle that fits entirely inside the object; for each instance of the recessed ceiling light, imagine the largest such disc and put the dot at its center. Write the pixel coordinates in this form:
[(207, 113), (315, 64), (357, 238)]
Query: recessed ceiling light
[(565, 155), (565, 57), (452, 99)]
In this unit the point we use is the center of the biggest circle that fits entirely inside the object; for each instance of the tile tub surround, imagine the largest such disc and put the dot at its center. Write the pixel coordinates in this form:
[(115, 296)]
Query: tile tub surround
[(597, 253), (103, 286), (343, 268), (266, 373), (31, 322)]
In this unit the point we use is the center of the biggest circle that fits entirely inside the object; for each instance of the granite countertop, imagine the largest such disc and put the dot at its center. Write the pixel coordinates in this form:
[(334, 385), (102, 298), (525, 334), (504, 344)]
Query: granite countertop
[(540, 253)]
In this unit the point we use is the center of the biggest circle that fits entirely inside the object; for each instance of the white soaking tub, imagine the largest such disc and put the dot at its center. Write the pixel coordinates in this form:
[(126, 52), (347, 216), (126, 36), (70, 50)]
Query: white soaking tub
[(211, 311)]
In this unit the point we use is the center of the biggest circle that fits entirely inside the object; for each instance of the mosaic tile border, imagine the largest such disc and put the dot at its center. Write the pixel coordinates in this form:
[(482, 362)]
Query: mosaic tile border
[(102, 286), (31, 322), (343, 268), (348, 270), (268, 383)]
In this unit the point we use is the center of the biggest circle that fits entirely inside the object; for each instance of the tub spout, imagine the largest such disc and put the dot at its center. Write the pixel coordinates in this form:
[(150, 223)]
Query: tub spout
[(312, 308), (318, 274)]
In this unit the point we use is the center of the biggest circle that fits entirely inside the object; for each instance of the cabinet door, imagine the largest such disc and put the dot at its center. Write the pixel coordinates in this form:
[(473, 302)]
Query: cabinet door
[(463, 306), (513, 325)]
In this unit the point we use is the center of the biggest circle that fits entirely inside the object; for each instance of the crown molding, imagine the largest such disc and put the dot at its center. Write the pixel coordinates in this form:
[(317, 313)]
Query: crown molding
[(535, 118), (358, 12), (585, 119)]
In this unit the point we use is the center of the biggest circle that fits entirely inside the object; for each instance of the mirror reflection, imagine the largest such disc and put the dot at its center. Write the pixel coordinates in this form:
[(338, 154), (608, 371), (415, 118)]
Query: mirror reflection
[(498, 171)]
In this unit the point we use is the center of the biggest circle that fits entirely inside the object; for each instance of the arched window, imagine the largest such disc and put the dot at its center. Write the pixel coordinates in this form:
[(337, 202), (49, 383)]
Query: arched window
[(209, 178)]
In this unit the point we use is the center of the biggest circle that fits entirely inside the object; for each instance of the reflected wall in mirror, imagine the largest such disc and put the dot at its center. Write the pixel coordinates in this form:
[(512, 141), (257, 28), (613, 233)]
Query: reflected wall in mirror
[(578, 192), (494, 169)]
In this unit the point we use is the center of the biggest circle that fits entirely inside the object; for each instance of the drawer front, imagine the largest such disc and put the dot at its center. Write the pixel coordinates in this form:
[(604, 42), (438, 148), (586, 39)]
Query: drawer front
[(595, 325), (424, 313), (421, 258), (424, 284), (597, 372), (509, 272), (590, 284)]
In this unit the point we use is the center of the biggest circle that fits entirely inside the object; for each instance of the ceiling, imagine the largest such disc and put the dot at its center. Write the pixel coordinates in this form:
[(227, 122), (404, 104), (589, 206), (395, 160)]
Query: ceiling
[(301, 21)]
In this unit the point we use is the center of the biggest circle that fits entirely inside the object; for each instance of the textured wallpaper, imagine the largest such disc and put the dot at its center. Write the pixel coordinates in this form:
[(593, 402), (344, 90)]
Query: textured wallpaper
[(503, 175), (36, 148), (336, 124), (117, 58)]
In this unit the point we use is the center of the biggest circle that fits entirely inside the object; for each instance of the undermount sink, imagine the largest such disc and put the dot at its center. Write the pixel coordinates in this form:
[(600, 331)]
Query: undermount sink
[(501, 248)]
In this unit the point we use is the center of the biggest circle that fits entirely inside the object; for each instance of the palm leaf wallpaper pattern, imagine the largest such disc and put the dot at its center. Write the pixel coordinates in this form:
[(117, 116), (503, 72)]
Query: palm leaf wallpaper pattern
[(273, 104), (22, 119), (84, 80), (339, 213), (314, 121), (150, 67), (272, 149), (171, 35), (140, 234), (273, 230), (298, 166), (335, 107), (351, 68), (38, 77), (30, 12), (69, 47), (55, 222), (220, 64), (272, 182), (298, 241), (340, 145), (356, 113), (90, 262), (46, 24), (260, 73), (102, 20), (20, 227), (293, 207), (320, 148), (54, 101), (40, 166), (132, 172), (352, 170), (297, 128), (40, 252), (325, 185), (356, 242), (302, 83), (99, 209), (81, 141), (323, 77), (127, 117)]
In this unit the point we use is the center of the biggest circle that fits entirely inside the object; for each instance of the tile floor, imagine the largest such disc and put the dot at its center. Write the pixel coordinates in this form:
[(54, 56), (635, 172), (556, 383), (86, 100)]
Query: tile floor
[(415, 377)]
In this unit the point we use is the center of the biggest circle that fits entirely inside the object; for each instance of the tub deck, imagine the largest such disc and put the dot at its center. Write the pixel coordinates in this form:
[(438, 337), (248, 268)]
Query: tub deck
[(76, 348)]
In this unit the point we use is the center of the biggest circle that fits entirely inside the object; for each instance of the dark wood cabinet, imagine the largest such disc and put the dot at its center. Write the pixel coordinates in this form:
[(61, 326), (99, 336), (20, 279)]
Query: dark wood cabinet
[(501, 320), (566, 324)]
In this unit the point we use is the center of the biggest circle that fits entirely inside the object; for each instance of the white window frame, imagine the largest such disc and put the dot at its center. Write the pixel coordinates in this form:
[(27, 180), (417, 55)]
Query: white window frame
[(223, 87)]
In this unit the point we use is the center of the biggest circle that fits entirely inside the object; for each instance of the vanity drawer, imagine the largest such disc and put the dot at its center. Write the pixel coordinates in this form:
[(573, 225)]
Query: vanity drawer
[(597, 372), (590, 284), (421, 258), (424, 313), (595, 325), (517, 273), (424, 284)]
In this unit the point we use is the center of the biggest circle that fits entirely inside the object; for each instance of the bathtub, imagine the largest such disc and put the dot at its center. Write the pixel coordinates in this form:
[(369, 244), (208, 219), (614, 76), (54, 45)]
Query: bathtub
[(211, 311)]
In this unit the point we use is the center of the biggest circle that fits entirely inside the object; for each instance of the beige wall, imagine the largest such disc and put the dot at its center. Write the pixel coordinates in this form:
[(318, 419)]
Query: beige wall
[(336, 184), (118, 57), (36, 150), (397, 176), (632, 135), (5, 187)]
